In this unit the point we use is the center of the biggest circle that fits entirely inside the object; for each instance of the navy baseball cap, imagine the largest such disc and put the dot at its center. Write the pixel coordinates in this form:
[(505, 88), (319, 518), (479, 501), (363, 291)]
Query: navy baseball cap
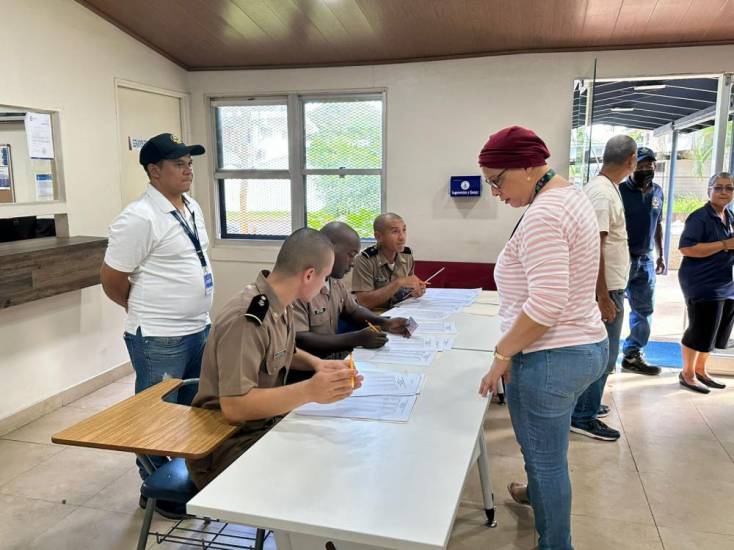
[(645, 153), (167, 146)]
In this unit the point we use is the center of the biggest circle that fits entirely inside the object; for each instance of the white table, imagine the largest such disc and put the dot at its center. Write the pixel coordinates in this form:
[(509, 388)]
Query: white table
[(476, 332), (364, 485)]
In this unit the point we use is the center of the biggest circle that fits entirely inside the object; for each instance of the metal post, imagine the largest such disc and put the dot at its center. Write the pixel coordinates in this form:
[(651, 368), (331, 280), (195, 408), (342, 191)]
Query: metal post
[(723, 102), (669, 198), (731, 152)]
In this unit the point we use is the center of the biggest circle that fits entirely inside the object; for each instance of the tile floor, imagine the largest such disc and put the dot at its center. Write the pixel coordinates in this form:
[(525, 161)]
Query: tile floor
[(667, 483)]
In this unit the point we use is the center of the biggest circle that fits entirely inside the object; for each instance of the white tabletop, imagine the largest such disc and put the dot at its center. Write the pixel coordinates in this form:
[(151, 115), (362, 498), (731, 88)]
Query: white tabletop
[(476, 332), (384, 484)]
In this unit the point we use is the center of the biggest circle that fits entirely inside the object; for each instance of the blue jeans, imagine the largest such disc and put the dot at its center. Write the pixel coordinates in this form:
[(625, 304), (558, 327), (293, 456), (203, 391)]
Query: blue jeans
[(541, 394), (588, 403), (157, 357), (641, 294)]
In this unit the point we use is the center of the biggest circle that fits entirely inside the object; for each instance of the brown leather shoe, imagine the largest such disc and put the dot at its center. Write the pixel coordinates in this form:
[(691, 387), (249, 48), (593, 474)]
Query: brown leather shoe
[(519, 492)]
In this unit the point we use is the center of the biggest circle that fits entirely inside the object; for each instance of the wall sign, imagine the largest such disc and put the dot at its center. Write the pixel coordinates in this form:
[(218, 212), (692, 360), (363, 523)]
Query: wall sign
[(465, 186), (40, 136)]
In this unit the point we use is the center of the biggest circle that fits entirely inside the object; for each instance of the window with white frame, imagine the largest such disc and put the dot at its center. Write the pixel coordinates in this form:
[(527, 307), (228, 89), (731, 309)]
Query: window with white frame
[(285, 162)]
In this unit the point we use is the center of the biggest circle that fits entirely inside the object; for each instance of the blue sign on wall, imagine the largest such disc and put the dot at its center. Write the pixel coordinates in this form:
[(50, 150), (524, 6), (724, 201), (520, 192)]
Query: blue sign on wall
[(465, 186)]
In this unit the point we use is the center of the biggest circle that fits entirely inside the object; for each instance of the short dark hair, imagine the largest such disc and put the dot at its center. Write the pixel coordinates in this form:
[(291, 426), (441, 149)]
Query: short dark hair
[(159, 164), (303, 249), (382, 219), (338, 232), (619, 149)]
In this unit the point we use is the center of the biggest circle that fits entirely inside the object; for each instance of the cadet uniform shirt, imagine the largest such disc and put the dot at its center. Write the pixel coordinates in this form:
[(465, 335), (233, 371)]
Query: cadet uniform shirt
[(242, 354), (321, 314), (372, 271)]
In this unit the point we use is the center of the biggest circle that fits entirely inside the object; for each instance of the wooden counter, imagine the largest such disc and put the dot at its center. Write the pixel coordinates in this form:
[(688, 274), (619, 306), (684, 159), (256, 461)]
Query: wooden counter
[(37, 268)]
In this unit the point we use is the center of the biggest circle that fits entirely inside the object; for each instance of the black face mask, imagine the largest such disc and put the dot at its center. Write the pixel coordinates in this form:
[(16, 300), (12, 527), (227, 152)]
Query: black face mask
[(643, 178)]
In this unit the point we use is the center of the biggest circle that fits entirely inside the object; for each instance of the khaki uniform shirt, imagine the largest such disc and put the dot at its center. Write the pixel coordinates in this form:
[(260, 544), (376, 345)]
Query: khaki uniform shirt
[(242, 354), (321, 314), (372, 271)]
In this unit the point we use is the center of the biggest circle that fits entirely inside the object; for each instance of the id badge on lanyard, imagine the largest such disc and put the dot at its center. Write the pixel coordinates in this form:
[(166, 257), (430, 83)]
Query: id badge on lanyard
[(193, 235)]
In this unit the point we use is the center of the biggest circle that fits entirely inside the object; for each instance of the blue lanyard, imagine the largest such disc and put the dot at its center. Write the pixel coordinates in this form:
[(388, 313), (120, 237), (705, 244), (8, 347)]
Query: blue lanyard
[(193, 235)]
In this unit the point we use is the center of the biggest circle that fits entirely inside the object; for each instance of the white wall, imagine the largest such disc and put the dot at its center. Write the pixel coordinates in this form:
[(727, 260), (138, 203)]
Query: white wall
[(61, 56), (438, 116)]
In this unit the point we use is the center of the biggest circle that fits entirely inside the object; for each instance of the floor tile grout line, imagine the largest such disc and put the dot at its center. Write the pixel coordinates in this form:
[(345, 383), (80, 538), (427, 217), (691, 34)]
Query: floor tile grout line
[(713, 432), (639, 476)]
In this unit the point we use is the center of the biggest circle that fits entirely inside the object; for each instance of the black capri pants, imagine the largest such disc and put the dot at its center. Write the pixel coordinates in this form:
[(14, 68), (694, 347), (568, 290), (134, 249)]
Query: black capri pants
[(709, 324)]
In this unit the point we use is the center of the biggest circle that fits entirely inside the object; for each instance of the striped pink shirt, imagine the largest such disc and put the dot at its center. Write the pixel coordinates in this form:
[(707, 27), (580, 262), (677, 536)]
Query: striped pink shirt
[(548, 270)]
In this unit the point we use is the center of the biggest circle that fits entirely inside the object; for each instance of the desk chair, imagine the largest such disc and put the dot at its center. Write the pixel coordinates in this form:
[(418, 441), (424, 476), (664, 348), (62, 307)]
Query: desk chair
[(172, 482)]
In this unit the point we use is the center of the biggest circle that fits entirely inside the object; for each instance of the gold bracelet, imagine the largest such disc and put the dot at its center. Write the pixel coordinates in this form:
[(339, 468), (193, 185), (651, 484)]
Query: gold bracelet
[(498, 355)]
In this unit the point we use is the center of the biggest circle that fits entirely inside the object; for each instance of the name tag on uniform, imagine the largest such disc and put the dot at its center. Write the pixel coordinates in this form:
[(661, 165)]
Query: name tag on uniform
[(208, 283), (279, 354), (380, 279), (319, 311)]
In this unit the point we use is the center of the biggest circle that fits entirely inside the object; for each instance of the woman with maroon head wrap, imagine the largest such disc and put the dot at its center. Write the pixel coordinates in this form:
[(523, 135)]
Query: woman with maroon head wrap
[(554, 343)]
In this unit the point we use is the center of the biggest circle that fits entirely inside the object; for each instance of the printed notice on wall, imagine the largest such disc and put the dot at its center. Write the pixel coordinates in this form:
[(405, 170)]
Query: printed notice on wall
[(44, 187), (39, 135)]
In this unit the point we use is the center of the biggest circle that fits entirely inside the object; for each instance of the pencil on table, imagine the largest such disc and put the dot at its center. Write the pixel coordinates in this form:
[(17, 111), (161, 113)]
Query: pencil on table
[(373, 328), (351, 366)]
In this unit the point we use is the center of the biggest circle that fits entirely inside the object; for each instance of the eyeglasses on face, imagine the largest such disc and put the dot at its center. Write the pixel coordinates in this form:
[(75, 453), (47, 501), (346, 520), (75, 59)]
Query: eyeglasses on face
[(723, 188), (496, 181)]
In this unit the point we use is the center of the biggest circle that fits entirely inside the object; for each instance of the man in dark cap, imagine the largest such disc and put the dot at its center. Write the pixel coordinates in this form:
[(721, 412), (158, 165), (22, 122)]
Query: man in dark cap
[(156, 267), (643, 207)]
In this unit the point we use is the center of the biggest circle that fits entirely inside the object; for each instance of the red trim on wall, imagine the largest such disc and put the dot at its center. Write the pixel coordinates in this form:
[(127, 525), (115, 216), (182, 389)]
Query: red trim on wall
[(457, 274)]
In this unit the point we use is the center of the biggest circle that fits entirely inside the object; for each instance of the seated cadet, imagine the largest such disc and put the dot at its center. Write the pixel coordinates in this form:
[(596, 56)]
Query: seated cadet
[(384, 273), (316, 321), (251, 347)]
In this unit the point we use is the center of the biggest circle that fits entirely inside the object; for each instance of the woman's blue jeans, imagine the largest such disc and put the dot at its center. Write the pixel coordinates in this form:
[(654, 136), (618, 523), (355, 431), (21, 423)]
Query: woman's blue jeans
[(542, 392)]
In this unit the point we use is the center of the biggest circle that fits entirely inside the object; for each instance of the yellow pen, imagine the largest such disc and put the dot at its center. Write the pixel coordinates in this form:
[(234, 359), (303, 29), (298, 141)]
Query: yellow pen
[(351, 366), (373, 327)]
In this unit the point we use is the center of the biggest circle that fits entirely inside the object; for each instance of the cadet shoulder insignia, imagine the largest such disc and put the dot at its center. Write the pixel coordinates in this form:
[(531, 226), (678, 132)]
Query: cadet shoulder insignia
[(258, 309), (370, 251), (407, 250)]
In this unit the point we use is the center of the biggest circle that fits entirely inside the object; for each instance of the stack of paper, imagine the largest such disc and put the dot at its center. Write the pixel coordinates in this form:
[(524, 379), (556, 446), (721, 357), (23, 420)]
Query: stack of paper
[(388, 408), (417, 358), (386, 396), (427, 342)]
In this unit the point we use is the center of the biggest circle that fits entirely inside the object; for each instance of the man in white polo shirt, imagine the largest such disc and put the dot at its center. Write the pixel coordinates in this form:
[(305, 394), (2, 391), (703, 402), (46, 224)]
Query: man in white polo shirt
[(620, 160), (156, 267)]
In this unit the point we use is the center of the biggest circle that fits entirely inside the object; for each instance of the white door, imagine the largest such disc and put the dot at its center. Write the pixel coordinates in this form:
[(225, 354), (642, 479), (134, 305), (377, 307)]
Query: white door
[(142, 115)]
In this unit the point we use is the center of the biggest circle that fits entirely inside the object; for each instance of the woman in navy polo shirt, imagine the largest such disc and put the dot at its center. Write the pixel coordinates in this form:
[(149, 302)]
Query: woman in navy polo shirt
[(707, 282)]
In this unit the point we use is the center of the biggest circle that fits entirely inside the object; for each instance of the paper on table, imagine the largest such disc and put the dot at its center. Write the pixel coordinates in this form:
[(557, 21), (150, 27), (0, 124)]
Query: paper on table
[(436, 327), (483, 309), (389, 408), (423, 314), (427, 342), (459, 294), (396, 357), (378, 382)]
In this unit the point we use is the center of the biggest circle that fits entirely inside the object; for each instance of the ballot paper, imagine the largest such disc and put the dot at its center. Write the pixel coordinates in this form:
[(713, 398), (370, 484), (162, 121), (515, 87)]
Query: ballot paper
[(427, 342), (483, 309), (395, 357), (380, 382), (387, 408), (436, 327), (455, 294), (422, 314)]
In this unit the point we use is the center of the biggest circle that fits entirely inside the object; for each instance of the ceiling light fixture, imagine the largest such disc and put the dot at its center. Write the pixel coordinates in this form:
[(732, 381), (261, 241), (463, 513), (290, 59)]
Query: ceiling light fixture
[(622, 109), (646, 87)]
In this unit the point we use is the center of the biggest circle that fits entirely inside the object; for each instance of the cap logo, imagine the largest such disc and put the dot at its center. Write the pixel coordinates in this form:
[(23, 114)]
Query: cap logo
[(175, 138)]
